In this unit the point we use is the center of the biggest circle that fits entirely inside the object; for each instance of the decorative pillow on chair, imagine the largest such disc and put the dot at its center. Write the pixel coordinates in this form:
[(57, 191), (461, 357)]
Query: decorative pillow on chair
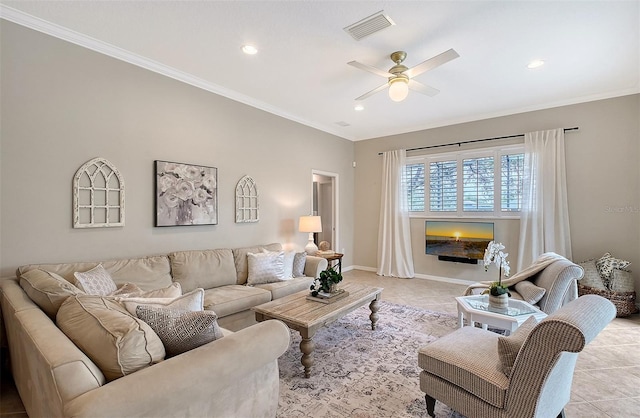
[(530, 292), (180, 330), (192, 301), (265, 267), (96, 281), (298, 264), (607, 263), (509, 347), (47, 290)]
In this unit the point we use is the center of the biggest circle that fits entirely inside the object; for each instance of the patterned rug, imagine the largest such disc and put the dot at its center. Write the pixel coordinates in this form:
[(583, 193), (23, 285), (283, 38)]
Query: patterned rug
[(362, 373)]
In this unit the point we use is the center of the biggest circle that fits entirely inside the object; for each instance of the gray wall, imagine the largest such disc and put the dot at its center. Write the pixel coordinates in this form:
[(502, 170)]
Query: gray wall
[(603, 177), (63, 105)]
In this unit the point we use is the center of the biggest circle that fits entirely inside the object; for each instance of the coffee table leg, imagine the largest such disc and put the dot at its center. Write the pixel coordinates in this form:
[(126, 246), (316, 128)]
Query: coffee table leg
[(307, 346), (374, 306)]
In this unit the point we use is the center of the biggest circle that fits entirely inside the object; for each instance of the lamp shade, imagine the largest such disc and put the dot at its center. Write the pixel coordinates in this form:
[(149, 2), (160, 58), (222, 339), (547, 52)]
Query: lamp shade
[(310, 224)]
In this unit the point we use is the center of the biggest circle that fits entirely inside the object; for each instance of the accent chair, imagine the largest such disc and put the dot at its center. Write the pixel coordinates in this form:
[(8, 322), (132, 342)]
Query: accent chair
[(481, 373)]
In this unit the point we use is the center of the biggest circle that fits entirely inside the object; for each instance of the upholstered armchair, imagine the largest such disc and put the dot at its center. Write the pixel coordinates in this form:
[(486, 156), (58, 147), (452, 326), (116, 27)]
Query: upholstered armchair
[(480, 373), (549, 283)]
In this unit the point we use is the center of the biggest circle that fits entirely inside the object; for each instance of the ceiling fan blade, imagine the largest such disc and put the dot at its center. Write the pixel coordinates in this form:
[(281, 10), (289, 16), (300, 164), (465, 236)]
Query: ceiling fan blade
[(432, 63), (421, 88), (370, 69), (372, 92)]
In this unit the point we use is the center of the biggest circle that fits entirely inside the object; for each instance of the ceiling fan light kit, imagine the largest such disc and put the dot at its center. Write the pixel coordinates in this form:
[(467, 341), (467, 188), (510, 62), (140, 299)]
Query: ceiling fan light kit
[(400, 78)]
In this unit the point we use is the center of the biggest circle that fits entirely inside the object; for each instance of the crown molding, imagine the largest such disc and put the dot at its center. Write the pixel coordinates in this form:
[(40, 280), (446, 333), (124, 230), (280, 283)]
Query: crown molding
[(18, 17)]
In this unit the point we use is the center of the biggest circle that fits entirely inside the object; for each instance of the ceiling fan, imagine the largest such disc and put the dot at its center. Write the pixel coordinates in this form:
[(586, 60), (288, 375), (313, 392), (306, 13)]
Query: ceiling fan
[(400, 78)]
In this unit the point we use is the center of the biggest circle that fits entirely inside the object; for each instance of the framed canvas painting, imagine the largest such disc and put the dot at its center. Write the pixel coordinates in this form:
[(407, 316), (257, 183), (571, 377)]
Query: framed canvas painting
[(186, 194)]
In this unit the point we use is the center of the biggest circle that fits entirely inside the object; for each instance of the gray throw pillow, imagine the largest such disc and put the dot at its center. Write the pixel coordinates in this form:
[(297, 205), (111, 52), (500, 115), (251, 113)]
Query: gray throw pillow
[(530, 292), (181, 330), (299, 261)]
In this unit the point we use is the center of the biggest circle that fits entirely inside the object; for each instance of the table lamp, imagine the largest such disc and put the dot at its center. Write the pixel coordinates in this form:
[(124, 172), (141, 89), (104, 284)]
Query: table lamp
[(310, 224)]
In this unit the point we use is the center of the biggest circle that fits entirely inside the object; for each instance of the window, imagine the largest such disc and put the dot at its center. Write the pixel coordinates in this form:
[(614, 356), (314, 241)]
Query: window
[(475, 183), (443, 191), (413, 178)]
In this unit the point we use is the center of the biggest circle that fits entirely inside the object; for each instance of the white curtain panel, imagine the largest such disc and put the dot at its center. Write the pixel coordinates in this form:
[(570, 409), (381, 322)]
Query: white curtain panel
[(544, 223), (394, 235)]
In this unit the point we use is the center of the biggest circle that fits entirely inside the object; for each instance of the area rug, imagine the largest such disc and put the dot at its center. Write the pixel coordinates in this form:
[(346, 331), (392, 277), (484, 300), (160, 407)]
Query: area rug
[(362, 373)]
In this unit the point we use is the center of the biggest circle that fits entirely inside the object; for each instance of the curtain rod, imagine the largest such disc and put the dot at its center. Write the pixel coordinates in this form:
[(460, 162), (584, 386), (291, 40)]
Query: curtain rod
[(476, 140)]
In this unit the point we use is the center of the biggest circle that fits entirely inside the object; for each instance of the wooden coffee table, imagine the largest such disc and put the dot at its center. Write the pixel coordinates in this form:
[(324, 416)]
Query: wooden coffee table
[(307, 316)]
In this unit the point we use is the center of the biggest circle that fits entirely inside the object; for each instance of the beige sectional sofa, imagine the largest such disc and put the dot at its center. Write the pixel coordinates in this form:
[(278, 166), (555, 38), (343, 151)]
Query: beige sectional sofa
[(236, 375)]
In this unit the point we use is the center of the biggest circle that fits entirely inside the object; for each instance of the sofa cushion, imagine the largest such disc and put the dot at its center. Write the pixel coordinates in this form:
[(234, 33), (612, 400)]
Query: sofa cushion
[(287, 287), (148, 272), (228, 300), (240, 259), (131, 290), (530, 292), (265, 267), (181, 330), (96, 281), (191, 301), (116, 341), (509, 347), (48, 290), (203, 268)]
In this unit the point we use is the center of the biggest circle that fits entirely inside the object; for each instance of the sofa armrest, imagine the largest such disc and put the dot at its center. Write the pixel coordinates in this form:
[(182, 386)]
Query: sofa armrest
[(233, 376), (314, 266)]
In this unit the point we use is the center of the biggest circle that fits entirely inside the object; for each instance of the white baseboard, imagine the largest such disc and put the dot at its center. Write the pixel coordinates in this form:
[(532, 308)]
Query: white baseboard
[(417, 276)]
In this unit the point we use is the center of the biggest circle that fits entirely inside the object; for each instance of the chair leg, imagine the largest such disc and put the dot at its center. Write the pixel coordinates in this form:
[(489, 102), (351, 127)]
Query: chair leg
[(561, 414), (431, 405)]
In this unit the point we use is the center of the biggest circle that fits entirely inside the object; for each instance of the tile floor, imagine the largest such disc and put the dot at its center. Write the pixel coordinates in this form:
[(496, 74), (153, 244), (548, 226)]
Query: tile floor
[(607, 378)]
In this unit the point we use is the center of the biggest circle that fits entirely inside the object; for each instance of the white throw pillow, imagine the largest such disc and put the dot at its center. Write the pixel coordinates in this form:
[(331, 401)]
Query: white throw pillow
[(265, 267), (192, 301), (97, 281), (289, 256)]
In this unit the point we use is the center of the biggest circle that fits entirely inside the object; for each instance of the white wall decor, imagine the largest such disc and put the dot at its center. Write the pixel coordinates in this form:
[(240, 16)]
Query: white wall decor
[(98, 195), (247, 207)]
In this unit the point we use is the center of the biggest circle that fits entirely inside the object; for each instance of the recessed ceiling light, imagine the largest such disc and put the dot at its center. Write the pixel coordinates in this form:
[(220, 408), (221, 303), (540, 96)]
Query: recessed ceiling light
[(535, 64), (359, 107), (249, 49)]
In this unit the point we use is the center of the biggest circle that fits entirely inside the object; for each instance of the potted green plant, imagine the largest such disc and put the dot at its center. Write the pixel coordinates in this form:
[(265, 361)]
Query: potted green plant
[(498, 293), (327, 282)]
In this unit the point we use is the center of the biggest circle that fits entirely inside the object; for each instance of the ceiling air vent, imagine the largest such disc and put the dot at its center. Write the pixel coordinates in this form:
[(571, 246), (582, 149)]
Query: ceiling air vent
[(369, 25), (343, 124)]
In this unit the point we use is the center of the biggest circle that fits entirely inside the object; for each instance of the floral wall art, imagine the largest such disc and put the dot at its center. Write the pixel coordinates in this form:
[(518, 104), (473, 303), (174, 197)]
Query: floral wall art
[(186, 194)]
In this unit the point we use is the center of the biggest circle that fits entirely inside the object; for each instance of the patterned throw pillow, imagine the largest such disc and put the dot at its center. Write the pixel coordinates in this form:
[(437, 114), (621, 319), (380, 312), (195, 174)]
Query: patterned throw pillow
[(180, 330), (265, 267), (509, 347), (298, 264), (607, 263), (96, 281)]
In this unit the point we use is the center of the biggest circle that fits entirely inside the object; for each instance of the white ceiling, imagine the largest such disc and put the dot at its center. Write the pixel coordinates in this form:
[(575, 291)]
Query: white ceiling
[(591, 49)]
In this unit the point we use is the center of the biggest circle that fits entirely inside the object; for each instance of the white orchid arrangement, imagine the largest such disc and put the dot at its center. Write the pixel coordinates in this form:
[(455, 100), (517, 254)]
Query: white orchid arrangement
[(495, 254)]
